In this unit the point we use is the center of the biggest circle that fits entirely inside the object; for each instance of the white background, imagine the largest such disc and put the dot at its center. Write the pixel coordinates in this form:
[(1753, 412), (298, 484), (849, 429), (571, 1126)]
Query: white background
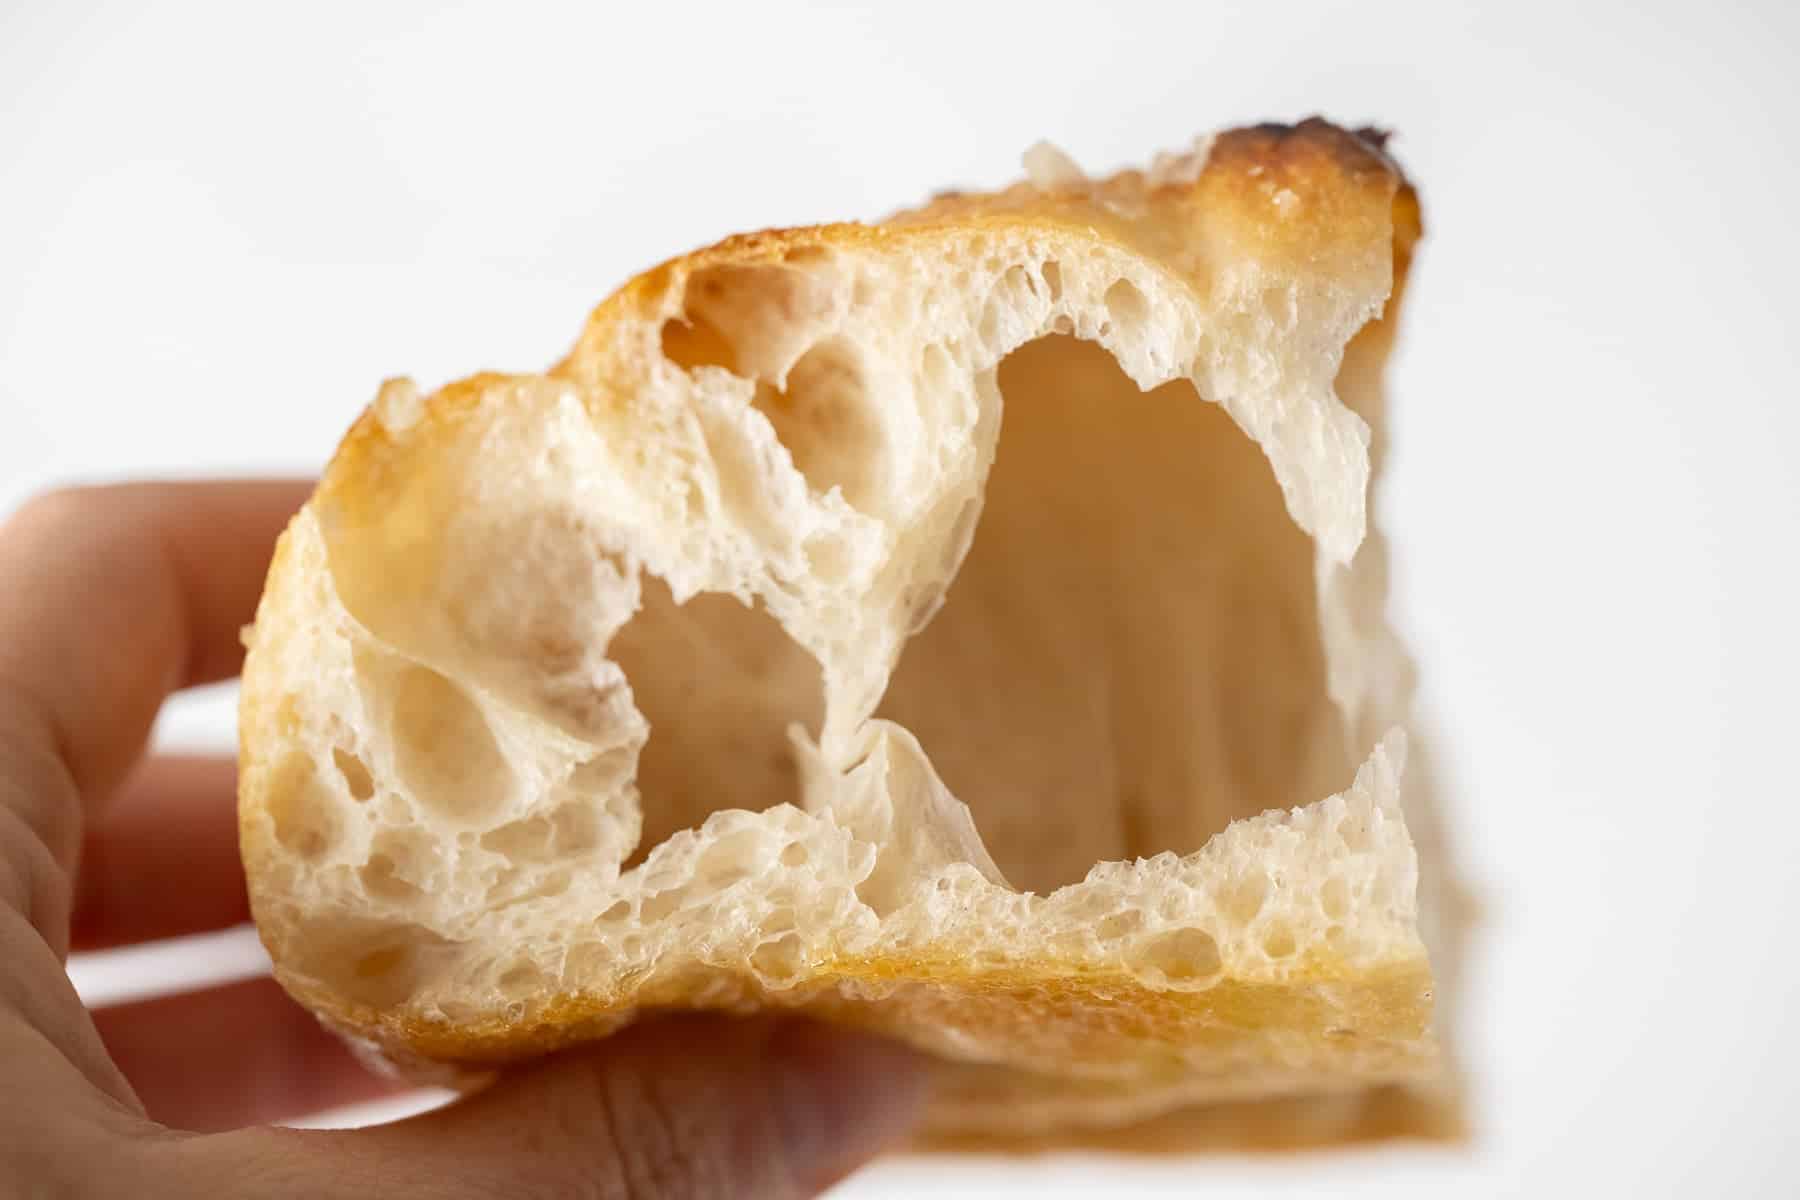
[(221, 226)]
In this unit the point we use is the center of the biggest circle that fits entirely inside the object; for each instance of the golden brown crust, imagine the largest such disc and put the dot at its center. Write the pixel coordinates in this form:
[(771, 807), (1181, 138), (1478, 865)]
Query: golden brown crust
[(1310, 150), (1068, 1016), (1345, 195), (1311, 195), (1368, 1070)]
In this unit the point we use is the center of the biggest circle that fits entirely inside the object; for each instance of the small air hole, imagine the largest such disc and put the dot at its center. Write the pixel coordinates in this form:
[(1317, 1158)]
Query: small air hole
[(1242, 898), (778, 961), (1126, 305), (936, 367), (1120, 924), (356, 774), (379, 962), (304, 812), (794, 855), (1278, 941), (1334, 898), (655, 908), (521, 980), (1182, 955), (379, 879), (692, 341), (527, 839), (553, 884)]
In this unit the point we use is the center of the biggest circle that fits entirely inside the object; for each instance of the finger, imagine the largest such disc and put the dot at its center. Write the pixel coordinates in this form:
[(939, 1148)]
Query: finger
[(162, 861), (120, 595), (112, 596), (693, 1107), (230, 1056), (40, 1008)]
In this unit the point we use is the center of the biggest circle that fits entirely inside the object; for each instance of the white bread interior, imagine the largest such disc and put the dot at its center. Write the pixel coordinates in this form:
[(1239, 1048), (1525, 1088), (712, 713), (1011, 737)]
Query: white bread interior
[(880, 622)]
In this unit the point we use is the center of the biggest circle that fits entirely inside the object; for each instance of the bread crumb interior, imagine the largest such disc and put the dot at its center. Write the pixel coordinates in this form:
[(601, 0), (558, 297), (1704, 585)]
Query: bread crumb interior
[(1128, 660)]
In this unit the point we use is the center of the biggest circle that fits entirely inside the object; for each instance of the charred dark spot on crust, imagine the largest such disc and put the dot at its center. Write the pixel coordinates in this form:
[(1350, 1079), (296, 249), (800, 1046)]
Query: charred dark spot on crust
[(1279, 146)]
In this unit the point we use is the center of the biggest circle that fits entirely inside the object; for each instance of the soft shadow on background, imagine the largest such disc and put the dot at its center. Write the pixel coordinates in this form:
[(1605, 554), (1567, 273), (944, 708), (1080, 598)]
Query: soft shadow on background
[(224, 225)]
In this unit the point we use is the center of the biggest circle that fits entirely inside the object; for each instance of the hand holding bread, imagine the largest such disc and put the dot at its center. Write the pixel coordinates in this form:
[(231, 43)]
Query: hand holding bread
[(120, 594), (924, 681)]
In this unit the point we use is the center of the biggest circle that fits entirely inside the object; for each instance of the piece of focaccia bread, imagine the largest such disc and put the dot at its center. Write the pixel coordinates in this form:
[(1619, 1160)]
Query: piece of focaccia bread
[(964, 627)]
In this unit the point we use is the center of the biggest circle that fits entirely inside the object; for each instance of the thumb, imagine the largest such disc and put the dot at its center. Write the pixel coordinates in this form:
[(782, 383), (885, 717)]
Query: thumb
[(685, 1107)]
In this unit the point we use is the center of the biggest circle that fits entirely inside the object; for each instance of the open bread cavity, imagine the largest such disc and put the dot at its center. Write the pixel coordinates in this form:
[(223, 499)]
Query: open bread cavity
[(1129, 658), (602, 678), (720, 685)]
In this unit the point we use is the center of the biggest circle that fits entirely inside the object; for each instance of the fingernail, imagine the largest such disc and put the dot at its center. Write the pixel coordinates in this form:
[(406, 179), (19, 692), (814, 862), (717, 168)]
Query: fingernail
[(842, 1097)]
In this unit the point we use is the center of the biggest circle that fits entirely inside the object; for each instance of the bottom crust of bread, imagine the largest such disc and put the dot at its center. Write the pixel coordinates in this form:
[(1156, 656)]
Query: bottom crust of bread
[(1329, 1056)]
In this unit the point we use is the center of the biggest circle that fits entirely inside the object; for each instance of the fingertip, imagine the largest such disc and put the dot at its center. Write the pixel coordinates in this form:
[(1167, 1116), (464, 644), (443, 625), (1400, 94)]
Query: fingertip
[(700, 1106), (841, 1097)]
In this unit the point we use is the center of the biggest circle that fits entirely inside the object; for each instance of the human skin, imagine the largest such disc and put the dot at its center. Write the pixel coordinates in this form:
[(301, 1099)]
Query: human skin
[(112, 598)]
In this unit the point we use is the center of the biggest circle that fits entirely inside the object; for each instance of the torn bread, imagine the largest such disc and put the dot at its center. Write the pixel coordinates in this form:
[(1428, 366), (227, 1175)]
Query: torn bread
[(964, 627)]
